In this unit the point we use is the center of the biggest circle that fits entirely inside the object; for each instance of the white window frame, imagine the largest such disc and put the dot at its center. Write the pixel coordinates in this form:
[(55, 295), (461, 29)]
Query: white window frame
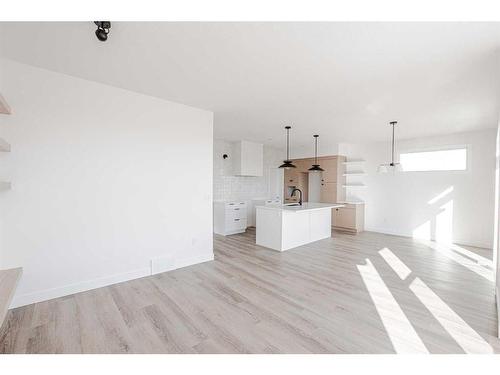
[(414, 150)]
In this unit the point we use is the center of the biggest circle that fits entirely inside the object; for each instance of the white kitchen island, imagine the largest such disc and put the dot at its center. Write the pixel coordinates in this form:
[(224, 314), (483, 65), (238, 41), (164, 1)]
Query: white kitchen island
[(283, 227)]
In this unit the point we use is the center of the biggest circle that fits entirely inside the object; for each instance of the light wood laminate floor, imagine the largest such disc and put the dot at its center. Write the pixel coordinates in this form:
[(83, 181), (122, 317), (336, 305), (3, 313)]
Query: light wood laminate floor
[(366, 293)]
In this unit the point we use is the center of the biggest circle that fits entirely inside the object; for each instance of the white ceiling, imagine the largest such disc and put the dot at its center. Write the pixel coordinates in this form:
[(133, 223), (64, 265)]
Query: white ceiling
[(345, 81)]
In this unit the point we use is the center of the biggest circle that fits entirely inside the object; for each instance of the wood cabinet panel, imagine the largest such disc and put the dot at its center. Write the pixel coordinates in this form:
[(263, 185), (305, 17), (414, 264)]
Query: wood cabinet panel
[(330, 170), (291, 176), (351, 217), (303, 165), (344, 218), (328, 192)]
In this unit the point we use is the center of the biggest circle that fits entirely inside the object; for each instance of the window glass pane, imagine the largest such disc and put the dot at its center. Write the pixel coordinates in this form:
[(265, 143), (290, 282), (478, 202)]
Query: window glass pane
[(443, 160)]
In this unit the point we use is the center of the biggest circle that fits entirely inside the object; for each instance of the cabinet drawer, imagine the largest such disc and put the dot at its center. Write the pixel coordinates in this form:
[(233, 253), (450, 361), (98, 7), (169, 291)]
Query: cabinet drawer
[(236, 223), (236, 213), (230, 205)]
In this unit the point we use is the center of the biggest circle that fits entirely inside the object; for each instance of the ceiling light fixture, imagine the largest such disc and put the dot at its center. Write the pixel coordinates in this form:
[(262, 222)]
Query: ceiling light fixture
[(102, 30), (392, 166), (315, 167), (287, 164)]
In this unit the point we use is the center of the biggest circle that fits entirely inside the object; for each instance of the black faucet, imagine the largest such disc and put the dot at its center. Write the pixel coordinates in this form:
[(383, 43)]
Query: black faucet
[(300, 196)]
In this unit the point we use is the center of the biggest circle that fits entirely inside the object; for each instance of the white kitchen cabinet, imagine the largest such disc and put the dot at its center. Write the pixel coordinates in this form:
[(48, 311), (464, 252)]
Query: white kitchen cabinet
[(230, 217), (259, 202), (282, 227), (248, 159)]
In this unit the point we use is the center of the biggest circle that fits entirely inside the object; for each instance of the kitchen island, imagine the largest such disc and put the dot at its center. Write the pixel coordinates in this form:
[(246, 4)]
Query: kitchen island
[(283, 227)]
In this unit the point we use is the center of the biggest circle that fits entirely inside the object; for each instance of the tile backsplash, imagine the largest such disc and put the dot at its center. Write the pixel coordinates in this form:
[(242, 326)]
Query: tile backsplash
[(230, 187)]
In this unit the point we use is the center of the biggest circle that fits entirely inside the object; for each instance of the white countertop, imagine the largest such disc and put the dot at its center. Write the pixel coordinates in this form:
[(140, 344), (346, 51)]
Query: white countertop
[(306, 206)]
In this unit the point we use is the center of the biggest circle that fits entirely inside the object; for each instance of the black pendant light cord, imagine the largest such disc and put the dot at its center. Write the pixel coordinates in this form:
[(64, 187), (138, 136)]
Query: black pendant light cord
[(287, 164), (393, 123), (316, 149), (287, 142)]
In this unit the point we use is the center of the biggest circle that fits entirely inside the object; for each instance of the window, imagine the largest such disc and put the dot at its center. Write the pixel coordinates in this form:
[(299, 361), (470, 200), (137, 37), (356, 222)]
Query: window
[(441, 160)]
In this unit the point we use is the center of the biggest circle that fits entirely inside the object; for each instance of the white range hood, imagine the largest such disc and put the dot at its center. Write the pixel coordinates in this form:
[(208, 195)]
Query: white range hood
[(248, 158)]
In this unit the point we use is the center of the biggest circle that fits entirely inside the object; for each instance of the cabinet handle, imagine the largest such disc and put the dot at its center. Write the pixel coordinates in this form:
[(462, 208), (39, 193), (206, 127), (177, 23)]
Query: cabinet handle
[(336, 209), (236, 219), (236, 209)]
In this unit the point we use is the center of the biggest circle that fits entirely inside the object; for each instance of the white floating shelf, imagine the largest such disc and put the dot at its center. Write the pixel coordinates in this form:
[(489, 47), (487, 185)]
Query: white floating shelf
[(5, 185), (354, 185), (354, 161), (352, 202), (355, 174), (4, 146), (4, 107)]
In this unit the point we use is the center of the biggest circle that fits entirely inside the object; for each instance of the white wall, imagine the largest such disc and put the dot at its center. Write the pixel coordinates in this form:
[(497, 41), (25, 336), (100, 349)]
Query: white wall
[(104, 180), (230, 187), (399, 204), (496, 229)]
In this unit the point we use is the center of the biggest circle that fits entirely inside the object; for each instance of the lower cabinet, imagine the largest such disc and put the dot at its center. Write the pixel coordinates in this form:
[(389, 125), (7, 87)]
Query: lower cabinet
[(350, 218), (230, 217)]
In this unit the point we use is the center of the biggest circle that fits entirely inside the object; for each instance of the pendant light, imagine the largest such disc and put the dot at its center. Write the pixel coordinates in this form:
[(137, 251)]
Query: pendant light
[(392, 166), (315, 167), (287, 164)]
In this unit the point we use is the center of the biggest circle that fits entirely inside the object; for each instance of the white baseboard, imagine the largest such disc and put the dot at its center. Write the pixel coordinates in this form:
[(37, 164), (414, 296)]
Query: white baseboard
[(47, 294), (44, 295), (160, 265)]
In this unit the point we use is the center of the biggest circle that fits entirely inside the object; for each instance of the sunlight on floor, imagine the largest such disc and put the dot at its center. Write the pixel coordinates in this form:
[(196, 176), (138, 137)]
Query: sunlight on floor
[(464, 335), (403, 336), (396, 264), (466, 258)]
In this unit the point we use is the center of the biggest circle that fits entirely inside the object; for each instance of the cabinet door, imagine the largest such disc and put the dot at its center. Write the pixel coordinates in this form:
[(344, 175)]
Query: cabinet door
[(299, 164), (291, 177), (303, 165), (328, 192), (344, 218), (330, 170)]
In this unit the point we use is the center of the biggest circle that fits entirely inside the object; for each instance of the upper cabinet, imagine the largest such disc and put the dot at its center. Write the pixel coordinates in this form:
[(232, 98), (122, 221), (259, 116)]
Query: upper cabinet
[(330, 169), (248, 159), (4, 107), (333, 168)]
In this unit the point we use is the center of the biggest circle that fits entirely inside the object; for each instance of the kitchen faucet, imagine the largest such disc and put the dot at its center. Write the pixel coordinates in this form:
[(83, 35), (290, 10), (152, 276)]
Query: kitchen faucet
[(300, 196)]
